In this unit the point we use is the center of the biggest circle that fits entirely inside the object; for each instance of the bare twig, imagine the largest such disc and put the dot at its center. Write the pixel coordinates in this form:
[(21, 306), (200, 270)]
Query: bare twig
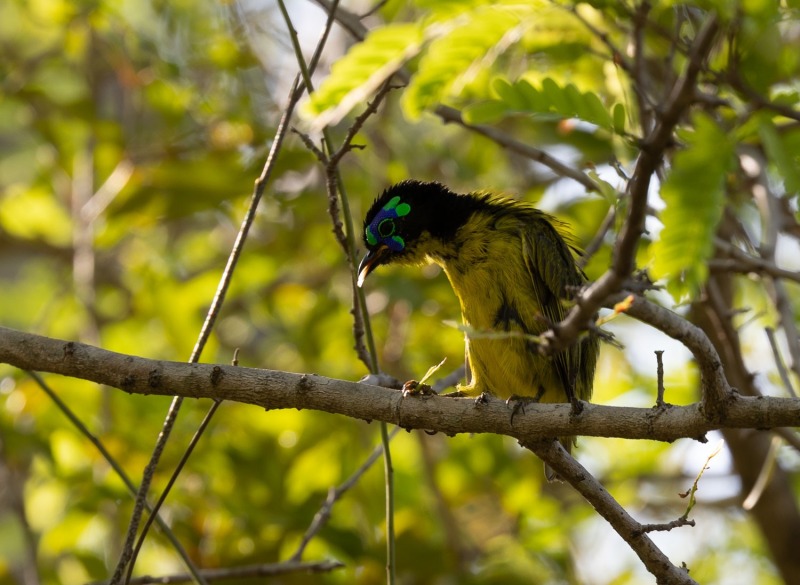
[(361, 325), (660, 377), (751, 264), (334, 495), (374, 9), (295, 93), (712, 375), (770, 213), (738, 83), (617, 57), (791, 437), (353, 25), (779, 365), (667, 526), (247, 572), (84, 430), (449, 114), (127, 559), (764, 475), (652, 150), (640, 77), (554, 455), (599, 238)]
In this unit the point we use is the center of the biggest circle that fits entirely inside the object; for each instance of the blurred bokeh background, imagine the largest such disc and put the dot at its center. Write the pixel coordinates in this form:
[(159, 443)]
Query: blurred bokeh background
[(131, 133)]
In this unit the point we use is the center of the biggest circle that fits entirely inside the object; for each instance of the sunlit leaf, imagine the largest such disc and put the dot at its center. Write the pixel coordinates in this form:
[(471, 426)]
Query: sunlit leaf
[(551, 99), (356, 76), (693, 193), (460, 53), (786, 159)]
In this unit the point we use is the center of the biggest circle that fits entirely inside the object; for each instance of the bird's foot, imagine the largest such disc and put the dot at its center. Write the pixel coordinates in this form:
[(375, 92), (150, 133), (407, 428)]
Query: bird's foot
[(577, 407), (414, 388), (518, 404), (482, 398)]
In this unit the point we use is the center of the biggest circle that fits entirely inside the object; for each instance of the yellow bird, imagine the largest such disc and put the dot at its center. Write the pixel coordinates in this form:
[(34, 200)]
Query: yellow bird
[(511, 268)]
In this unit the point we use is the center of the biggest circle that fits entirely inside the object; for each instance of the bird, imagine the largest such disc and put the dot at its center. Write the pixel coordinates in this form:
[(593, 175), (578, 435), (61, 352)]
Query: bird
[(512, 267)]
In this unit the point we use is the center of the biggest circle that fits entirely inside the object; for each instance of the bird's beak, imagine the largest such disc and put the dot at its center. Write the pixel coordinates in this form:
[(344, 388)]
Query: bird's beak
[(370, 262)]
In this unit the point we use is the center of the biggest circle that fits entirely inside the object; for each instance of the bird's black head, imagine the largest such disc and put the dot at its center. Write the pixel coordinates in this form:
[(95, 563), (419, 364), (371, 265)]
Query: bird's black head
[(406, 220)]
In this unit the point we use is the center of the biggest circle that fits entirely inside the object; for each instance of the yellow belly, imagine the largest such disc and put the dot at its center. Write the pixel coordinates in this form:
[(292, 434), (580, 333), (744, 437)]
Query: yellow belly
[(502, 362)]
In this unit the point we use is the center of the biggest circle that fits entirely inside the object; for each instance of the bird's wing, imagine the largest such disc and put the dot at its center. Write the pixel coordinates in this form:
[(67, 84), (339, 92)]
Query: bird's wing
[(552, 269)]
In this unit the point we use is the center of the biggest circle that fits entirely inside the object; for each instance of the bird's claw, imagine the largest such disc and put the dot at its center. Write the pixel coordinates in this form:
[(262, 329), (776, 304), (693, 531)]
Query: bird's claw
[(482, 398), (577, 407), (517, 404), (414, 388)]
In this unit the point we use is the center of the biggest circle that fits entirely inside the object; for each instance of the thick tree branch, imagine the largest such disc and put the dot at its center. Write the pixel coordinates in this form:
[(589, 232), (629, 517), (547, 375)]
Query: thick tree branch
[(277, 390)]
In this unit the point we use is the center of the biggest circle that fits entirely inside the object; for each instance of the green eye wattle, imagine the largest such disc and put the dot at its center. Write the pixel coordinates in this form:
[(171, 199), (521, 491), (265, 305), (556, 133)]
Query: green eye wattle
[(383, 228)]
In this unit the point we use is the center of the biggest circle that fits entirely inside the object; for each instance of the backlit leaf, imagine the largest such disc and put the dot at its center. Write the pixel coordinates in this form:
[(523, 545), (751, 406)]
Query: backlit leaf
[(356, 76), (693, 193)]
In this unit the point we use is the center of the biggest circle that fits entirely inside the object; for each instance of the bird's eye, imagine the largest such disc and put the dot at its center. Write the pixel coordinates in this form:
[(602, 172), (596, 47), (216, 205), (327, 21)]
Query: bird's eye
[(382, 227), (386, 228)]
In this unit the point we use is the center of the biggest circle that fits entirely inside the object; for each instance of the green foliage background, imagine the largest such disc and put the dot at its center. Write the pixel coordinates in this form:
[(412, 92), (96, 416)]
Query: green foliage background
[(181, 100)]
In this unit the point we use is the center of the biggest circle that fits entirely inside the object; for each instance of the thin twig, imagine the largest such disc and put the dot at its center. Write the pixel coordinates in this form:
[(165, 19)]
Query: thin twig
[(364, 351), (247, 572), (334, 495), (554, 455), (640, 75), (764, 475), (352, 24), (449, 114), (660, 377), (779, 365), (126, 559), (374, 9), (771, 214), (361, 325), (260, 185), (791, 437), (746, 263), (617, 56), (738, 83), (650, 159), (84, 430), (667, 526), (599, 238), (173, 478), (712, 375)]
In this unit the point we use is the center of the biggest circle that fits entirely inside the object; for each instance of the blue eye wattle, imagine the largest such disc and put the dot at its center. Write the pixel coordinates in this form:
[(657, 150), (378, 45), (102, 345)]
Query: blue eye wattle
[(382, 229)]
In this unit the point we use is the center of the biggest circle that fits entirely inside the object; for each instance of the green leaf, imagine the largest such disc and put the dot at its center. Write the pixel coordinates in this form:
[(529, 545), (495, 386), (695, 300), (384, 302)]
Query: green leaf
[(555, 96), (359, 73), (694, 197), (593, 109), (534, 100), (619, 118), (462, 51), (566, 102), (785, 158), (485, 112), (513, 98)]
